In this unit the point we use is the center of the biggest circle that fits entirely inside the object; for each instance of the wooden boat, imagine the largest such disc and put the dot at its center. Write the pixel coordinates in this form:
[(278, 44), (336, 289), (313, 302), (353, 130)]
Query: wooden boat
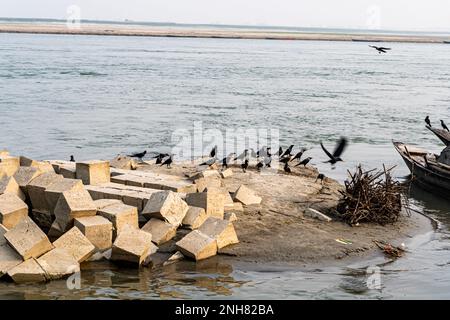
[(442, 134), (425, 169)]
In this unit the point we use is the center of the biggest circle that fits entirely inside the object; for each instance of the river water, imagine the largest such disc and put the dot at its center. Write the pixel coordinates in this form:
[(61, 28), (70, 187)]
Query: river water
[(94, 97)]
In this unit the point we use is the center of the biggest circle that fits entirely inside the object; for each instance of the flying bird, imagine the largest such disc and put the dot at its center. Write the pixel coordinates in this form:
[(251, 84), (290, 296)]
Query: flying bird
[(380, 49), (427, 121), (443, 125), (168, 162), (304, 162), (138, 155), (336, 156), (72, 159)]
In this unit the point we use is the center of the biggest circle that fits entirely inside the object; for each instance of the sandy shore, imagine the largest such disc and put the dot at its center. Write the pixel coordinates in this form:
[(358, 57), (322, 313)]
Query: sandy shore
[(278, 232), (225, 33)]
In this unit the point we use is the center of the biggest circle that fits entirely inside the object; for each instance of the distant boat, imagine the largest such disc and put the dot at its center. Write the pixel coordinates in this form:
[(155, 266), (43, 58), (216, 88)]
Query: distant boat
[(442, 134), (425, 168)]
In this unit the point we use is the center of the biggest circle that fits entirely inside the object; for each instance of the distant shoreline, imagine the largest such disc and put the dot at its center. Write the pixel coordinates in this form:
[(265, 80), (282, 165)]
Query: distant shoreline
[(221, 33)]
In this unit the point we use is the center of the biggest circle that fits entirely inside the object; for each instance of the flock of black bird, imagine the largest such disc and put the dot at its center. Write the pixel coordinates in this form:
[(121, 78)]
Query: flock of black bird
[(443, 125)]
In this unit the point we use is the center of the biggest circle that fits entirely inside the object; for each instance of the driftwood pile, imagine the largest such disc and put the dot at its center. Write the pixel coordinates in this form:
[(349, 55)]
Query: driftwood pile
[(371, 196)]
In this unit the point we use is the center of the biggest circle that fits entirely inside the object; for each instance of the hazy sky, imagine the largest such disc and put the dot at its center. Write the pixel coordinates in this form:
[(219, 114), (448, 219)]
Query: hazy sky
[(386, 14)]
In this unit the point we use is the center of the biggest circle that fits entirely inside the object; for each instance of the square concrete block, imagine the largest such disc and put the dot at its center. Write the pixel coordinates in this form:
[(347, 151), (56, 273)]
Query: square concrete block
[(93, 172), (9, 165), (211, 182), (12, 210), (220, 230), (27, 162), (28, 240), (120, 215), (194, 218), (54, 191), (246, 196), (28, 271), (226, 173), (24, 175), (9, 258), (132, 245), (213, 202), (160, 230), (76, 244), (97, 229), (58, 263), (197, 245), (10, 185), (166, 205), (36, 190), (227, 199)]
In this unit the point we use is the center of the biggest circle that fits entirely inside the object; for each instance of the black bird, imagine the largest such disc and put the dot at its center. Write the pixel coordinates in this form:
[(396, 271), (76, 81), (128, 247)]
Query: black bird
[(280, 151), (72, 159), (288, 151), (285, 159), (244, 166), (259, 165), (268, 152), (299, 154), (138, 155), (209, 162), (380, 49), (227, 160), (168, 162), (427, 120), (242, 156), (304, 162), (159, 158), (286, 168), (443, 125), (213, 152), (336, 156), (320, 177)]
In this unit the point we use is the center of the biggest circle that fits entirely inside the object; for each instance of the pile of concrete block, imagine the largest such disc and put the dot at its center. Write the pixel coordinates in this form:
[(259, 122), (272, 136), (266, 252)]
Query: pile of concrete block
[(92, 212)]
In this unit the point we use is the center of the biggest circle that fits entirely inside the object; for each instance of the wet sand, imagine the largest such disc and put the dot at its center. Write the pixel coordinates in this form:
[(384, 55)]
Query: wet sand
[(277, 232), (209, 32)]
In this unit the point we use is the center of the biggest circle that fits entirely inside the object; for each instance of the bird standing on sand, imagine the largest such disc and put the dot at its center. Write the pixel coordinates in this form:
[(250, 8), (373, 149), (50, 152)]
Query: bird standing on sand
[(244, 166), (227, 160), (159, 158), (299, 154), (168, 162), (209, 162), (138, 155), (336, 156), (72, 159), (304, 162), (259, 165), (380, 49), (286, 159), (443, 125), (288, 151), (427, 121), (320, 177), (286, 168)]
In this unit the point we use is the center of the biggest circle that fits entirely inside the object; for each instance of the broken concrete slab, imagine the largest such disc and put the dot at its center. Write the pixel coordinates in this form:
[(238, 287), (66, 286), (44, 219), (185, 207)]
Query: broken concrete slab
[(220, 230), (205, 174), (120, 215), (160, 230), (76, 243), (10, 185), (212, 202), (54, 191), (230, 216), (28, 271), (226, 173), (132, 245), (9, 165), (97, 229), (197, 245), (246, 196), (194, 218), (12, 210), (166, 205), (313, 213), (58, 263), (28, 239), (36, 190), (123, 162), (93, 172), (9, 258), (236, 207), (25, 175)]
